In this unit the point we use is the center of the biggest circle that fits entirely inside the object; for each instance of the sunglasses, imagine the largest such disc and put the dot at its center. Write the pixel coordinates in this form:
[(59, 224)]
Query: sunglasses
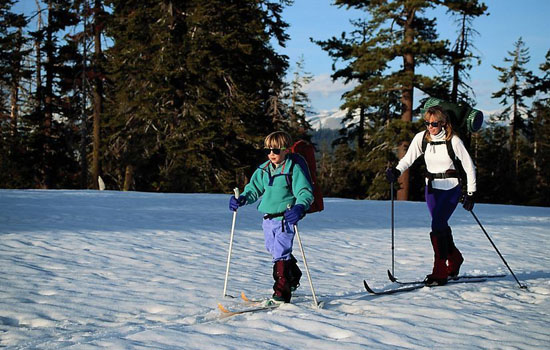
[(276, 151), (433, 124)]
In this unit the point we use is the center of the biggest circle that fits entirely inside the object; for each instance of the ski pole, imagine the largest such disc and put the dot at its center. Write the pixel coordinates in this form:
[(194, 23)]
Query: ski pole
[(494, 246), (392, 233), (305, 265), (236, 190)]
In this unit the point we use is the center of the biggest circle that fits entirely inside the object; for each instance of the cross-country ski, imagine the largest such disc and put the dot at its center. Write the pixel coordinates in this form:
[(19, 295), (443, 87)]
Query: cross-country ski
[(457, 278), (257, 308), (410, 286)]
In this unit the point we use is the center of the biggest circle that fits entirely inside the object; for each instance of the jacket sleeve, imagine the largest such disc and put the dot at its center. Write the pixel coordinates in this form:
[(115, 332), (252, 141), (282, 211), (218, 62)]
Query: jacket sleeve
[(255, 188), (467, 163), (414, 151)]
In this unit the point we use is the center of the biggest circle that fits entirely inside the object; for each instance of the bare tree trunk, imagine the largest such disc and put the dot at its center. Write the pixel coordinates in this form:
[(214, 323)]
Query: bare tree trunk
[(98, 95), (14, 93), (38, 58), (458, 56), (84, 118), (48, 102), (128, 178), (14, 109), (407, 100), (361, 128)]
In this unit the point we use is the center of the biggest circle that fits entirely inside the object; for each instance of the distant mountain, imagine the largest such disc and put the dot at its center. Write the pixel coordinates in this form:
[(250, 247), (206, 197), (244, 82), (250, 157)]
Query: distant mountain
[(332, 119), (328, 119)]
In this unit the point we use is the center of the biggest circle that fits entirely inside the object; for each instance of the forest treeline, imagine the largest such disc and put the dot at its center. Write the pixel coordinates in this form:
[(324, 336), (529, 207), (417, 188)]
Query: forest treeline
[(177, 96)]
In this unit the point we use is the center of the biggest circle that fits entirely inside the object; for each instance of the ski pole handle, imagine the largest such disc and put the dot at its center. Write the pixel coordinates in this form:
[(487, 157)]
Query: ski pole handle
[(237, 193)]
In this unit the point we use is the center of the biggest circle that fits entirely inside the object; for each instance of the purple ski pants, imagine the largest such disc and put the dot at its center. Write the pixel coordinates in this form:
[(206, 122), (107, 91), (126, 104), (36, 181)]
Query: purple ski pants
[(277, 242), (442, 204)]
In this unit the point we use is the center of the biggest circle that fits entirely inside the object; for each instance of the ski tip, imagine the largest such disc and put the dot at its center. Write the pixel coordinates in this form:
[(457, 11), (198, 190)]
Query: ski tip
[(223, 309), (391, 276), (244, 297), (369, 289)]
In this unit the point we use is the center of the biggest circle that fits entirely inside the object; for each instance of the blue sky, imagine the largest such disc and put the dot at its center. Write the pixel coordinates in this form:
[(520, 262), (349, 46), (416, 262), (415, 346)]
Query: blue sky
[(508, 21)]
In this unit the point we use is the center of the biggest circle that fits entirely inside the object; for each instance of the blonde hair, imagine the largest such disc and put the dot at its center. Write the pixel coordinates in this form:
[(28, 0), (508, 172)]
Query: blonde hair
[(440, 116), (278, 139)]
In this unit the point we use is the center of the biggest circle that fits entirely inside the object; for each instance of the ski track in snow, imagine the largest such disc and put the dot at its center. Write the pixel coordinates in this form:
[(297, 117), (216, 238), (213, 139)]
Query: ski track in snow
[(130, 270)]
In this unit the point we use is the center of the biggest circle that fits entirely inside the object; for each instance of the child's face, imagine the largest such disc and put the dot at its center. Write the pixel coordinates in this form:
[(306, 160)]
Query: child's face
[(277, 158)]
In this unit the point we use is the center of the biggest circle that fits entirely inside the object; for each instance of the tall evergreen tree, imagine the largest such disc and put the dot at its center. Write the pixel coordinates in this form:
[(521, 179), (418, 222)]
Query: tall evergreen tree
[(298, 103), (461, 55), (45, 123), (395, 33), (13, 49), (539, 87), (93, 18), (514, 78), (191, 81), (97, 77)]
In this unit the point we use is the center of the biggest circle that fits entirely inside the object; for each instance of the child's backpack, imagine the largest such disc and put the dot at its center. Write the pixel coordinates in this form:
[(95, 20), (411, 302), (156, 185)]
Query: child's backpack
[(303, 154)]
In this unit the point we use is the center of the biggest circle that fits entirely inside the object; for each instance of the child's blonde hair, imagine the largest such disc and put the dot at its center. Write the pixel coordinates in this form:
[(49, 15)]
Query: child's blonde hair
[(278, 139)]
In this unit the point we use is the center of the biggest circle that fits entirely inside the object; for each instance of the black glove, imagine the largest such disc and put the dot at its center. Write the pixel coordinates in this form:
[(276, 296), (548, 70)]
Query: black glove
[(234, 203), (468, 201), (392, 174)]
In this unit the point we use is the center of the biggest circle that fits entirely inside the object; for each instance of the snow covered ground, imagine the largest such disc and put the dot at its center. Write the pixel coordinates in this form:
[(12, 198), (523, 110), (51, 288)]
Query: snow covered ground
[(127, 270)]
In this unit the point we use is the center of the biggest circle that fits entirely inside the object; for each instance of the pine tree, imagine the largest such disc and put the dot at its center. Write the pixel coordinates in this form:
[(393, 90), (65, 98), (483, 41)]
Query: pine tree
[(539, 87), (495, 179), (12, 73), (297, 102), (94, 19), (191, 84), (461, 55), (394, 33), (514, 78)]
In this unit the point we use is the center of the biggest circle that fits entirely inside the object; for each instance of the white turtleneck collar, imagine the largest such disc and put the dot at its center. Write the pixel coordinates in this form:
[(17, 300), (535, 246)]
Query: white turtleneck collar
[(440, 136)]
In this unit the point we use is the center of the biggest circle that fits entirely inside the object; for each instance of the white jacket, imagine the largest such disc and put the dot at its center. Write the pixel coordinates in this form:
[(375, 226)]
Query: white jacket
[(438, 161)]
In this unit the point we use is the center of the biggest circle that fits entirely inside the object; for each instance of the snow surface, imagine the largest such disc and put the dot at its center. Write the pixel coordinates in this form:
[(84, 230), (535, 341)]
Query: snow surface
[(126, 270)]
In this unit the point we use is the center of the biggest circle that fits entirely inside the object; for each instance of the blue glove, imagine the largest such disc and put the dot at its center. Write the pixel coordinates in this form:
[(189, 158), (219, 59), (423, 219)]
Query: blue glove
[(468, 202), (234, 203), (293, 215), (392, 174)]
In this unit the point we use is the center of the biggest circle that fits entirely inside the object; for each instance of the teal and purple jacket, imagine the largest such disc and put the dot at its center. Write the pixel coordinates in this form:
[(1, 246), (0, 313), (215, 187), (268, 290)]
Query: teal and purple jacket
[(279, 187)]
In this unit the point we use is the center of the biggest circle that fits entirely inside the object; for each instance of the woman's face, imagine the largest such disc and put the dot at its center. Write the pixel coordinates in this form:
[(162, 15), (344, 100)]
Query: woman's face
[(434, 126)]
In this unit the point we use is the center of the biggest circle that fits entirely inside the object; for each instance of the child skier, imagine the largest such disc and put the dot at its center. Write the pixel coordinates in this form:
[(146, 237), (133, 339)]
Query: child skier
[(443, 190), (279, 190)]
